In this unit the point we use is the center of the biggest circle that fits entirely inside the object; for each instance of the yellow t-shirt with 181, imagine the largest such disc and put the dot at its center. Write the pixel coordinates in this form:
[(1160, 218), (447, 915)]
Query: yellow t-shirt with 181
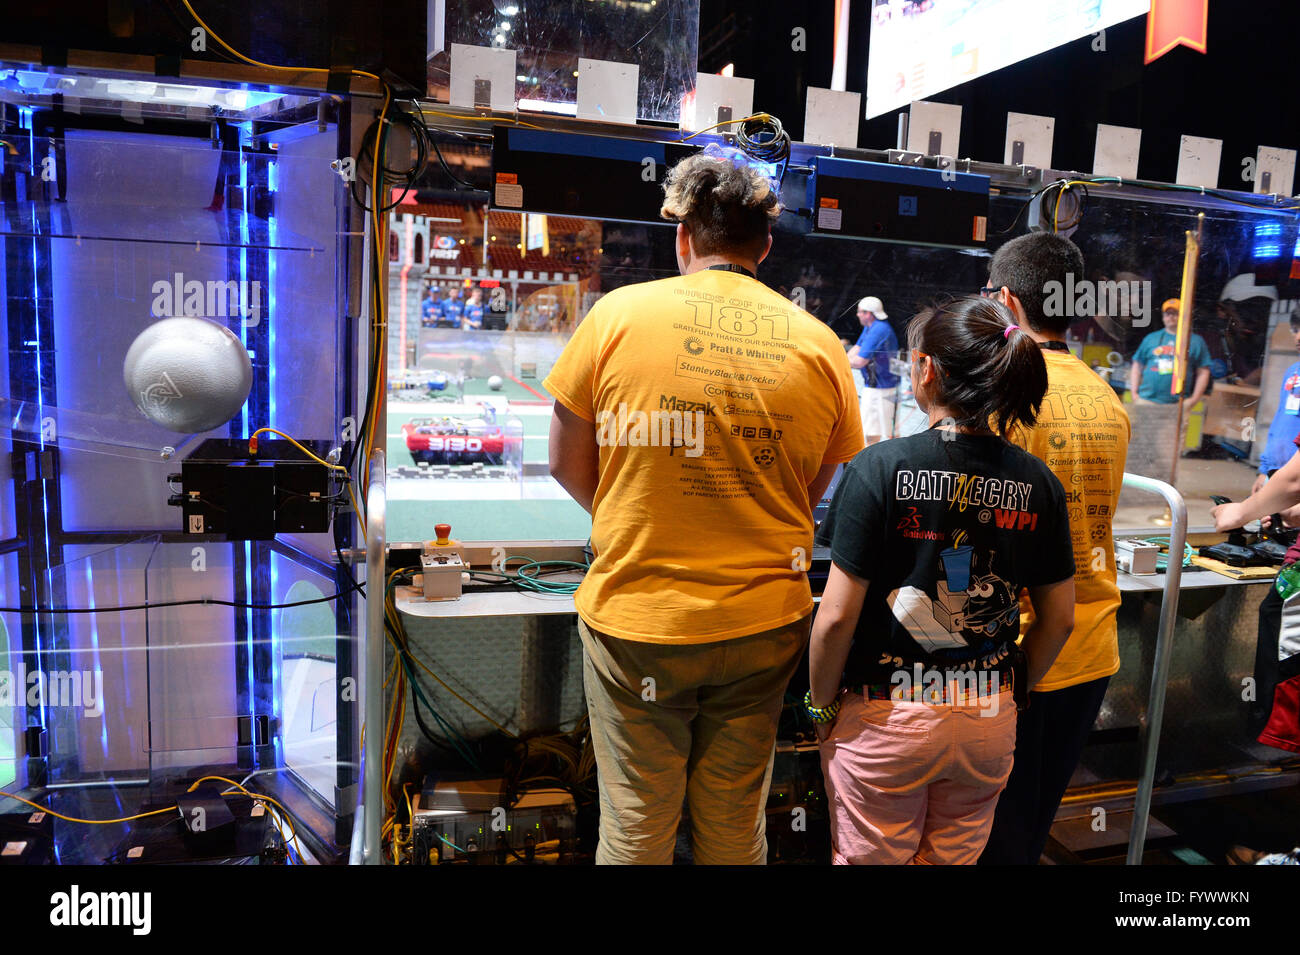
[(715, 402), (1082, 434)]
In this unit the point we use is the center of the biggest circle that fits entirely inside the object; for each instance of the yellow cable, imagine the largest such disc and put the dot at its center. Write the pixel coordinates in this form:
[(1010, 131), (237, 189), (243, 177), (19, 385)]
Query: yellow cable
[(284, 813), (267, 66), (390, 754), (1066, 185), (379, 313), (377, 189), (422, 666), (481, 119), (360, 517), (396, 717), (729, 122), (1070, 799), (255, 796), (410, 821), (159, 812), (389, 746), (333, 467), (89, 822), (420, 663), (401, 720), (401, 725), (390, 720)]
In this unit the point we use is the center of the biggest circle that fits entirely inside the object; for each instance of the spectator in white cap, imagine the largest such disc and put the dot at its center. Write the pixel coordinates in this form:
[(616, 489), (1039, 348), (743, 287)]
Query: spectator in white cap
[(879, 388)]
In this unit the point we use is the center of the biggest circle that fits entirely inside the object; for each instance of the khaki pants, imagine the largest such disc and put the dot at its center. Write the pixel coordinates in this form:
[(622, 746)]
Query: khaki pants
[(694, 723)]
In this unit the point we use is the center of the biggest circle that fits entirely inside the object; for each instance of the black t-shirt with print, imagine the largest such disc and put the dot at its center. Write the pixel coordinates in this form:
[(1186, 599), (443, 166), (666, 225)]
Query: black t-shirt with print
[(947, 528)]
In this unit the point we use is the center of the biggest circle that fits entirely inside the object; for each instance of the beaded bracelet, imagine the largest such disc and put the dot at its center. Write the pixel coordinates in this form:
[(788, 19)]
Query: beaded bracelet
[(821, 714)]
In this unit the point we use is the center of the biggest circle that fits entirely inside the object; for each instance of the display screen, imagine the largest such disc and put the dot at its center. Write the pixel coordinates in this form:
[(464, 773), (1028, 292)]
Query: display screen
[(922, 47)]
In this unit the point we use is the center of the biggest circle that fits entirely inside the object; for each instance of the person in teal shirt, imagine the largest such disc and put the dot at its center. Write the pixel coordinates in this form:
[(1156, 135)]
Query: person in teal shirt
[(1151, 374)]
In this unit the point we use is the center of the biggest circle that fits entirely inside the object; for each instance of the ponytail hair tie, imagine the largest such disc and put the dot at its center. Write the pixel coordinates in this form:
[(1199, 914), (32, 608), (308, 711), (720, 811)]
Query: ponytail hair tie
[(1006, 332)]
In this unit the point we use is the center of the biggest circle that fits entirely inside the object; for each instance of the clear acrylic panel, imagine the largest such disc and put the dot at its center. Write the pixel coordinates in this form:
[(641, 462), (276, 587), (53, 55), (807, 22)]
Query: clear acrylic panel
[(12, 698), (307, 645), (140, 220), (660, 36), (545, 272)]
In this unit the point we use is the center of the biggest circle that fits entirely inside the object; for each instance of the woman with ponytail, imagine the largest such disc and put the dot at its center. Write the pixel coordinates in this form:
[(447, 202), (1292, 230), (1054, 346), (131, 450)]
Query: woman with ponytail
[(915, 674)]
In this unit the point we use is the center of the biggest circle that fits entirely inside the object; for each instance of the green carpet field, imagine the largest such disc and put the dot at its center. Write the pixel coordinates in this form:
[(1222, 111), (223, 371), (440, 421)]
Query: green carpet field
[(538, 511)]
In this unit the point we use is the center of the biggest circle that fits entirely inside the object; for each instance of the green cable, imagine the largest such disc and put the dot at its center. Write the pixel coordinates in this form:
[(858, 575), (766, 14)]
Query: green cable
[(530, 581), (1162, 560), (454, 736), (452, 844), (459, 743)]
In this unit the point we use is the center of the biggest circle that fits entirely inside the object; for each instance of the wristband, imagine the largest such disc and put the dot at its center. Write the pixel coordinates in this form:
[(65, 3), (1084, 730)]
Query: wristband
[(821, 714)]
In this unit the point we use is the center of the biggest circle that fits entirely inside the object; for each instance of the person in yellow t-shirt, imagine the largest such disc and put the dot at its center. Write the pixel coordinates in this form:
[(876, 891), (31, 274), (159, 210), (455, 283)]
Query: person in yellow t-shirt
[(1082, 433), (699, 419)]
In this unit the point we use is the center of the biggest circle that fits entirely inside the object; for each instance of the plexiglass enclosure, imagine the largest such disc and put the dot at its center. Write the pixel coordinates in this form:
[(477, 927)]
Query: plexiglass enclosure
[(660, 36), (532, 278), (134, 652)]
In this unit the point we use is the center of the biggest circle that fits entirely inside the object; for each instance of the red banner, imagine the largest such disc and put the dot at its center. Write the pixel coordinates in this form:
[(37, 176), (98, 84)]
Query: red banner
[(1174, 23)]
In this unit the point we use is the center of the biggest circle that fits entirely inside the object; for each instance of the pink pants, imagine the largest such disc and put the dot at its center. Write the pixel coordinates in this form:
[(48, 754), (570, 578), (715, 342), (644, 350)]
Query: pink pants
[(915, 783)]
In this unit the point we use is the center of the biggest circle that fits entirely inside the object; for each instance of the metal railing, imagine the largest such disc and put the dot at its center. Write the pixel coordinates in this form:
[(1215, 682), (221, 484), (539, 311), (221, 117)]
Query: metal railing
[(1150, 727), (370, 797)]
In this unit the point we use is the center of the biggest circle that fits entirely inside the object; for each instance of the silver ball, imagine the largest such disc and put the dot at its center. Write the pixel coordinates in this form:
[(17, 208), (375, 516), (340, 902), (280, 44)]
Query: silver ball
[(188, 374)]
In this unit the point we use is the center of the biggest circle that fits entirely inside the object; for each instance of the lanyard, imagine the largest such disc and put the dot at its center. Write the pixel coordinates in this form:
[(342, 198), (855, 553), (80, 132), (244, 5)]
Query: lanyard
[(730, 267)]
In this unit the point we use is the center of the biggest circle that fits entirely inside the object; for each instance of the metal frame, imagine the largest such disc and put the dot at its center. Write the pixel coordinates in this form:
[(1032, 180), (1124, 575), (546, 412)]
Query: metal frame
[(370, 801), (37, 472), (1149, 729), (1017, 180)]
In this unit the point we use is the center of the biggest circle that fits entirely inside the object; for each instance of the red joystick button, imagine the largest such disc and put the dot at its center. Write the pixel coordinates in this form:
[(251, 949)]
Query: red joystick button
[(443, 531)]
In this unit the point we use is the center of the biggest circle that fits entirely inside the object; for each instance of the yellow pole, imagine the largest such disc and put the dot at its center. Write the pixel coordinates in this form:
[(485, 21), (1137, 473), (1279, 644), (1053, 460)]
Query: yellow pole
[(1184, 335)]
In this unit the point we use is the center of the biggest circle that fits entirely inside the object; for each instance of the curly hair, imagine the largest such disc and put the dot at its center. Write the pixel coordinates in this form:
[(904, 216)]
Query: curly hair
[(725, 202)]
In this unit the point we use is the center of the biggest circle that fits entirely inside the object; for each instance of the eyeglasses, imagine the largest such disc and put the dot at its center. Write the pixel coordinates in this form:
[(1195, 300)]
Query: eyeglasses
[(989, 291)]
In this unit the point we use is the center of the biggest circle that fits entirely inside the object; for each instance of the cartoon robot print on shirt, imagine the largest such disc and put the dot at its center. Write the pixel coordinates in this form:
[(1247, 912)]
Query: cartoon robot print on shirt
[(971, 604)]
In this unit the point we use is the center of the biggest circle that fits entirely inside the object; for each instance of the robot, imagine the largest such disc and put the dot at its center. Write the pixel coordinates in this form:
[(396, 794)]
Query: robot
[(449, 440)]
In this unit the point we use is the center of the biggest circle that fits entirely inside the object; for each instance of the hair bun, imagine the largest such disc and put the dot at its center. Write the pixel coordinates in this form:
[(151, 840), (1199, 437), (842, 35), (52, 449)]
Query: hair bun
[(726, 202)]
